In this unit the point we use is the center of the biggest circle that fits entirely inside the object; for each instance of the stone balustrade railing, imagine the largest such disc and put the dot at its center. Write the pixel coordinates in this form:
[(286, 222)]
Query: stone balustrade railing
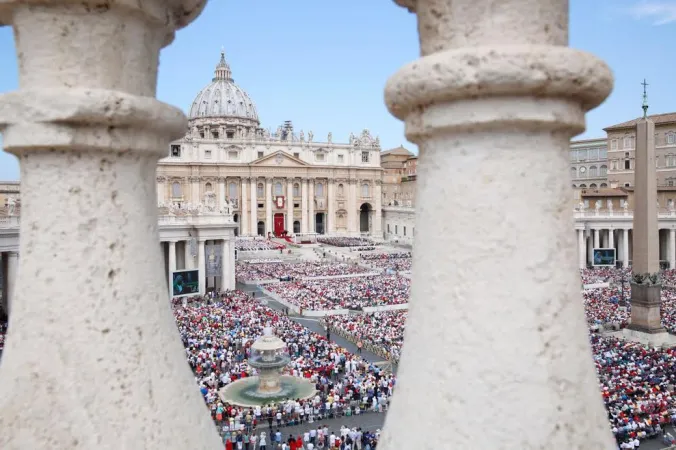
[(587, 213), (9, 222)]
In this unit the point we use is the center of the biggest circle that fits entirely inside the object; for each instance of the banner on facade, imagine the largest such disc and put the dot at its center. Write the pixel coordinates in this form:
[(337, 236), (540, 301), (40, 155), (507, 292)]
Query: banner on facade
[(214, 257)]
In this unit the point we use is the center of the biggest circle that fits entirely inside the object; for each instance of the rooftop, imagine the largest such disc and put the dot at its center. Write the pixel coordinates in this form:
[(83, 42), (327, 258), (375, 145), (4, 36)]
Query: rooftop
[(659, 119)]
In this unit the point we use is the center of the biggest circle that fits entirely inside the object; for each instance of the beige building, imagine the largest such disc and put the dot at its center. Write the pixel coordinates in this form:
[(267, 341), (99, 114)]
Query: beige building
[(621, 144), (275, 181), (399, 176), (589, 163)]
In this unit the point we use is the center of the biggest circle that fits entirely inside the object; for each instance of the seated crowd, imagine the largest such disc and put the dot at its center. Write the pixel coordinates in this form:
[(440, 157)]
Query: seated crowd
[(268, 271), (217, 335), (344, 293), (399, 262), (346, 241), (382, 330), (256, 244)]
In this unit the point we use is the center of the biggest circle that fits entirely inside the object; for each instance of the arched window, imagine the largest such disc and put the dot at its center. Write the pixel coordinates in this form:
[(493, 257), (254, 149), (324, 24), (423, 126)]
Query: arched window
[(296, 190), (319, 190), (365, 190), (573, 172), (260, 190), (593, 171), (176, 189), (604, 185), (592, 186), (279, 190), (233, 191), (341, 190), (208, 187), (583, 186), (604, 171)]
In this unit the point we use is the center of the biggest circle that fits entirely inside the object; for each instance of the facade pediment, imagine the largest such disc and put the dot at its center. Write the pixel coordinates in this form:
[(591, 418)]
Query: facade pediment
[(279, 159)]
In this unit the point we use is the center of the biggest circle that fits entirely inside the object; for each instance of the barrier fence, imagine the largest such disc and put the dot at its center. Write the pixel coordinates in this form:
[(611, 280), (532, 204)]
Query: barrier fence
[(373, 348)]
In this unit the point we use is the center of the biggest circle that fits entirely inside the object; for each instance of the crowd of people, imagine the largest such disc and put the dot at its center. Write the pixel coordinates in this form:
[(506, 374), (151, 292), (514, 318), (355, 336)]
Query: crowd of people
[(346, 241), (382, 330), (217, 334), (256, 244), (398, 262), (344, 293), (275, 270)]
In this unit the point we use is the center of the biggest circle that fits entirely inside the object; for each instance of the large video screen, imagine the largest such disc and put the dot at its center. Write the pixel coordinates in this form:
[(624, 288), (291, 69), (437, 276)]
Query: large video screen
[(604, 257), (185, 282)]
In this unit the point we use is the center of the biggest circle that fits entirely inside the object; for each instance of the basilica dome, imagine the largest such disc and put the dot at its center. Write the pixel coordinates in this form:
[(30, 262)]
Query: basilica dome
[(223, 98)]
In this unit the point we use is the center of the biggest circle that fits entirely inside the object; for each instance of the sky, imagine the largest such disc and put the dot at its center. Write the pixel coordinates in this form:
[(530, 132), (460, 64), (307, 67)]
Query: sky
[(323, 64)]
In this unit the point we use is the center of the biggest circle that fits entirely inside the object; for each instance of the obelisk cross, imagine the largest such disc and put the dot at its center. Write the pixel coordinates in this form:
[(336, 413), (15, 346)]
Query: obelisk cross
[(645, 99)]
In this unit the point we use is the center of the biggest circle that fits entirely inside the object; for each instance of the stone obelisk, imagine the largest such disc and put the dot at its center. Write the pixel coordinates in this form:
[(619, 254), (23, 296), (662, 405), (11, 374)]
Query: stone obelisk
[(645, 298)]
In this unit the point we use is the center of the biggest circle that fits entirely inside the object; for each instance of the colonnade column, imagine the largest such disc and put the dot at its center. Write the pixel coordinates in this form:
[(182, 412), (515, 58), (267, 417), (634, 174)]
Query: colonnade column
[(377, 215), (289, 205), (611, 238), (202, 265), (88, 132), (226, 265), (671, 251), (171, 253), (597, 243), (311, 205), (243, 207), (352, 226), (303, 206), (268, 206), (331, 207), (581, 249), (493, 79), (188, 257), (254, 207), (625, 247)]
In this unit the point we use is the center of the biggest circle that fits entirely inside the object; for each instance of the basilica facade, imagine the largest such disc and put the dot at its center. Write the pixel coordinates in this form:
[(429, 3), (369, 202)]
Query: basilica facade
[(275, 182)]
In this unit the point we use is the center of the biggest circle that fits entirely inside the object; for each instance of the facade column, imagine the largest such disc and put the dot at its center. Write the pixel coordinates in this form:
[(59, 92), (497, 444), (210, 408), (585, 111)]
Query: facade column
[(331, 208), (611, 238), (352, 217), (671, 251), (472, 120), (289, 205), (311, 206), (377, 215), (221, 193), (268, 206), (161, 189), (254, 206), (597, 243), (581, 249), (625, 248), (88, 132), (195, 190), (202, 265), (188, 256), (244, 207), (172, 266), (303, 206)]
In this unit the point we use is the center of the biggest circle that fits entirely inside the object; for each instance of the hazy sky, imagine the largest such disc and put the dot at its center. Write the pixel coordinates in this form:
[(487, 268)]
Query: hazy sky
[(323, 64)]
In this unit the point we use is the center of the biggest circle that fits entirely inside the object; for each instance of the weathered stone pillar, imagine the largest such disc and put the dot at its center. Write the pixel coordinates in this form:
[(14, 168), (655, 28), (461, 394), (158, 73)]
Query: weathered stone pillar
[(378, 210), (625, 248), (172, 265), (496, 86), (581, 249), (303, 206), (311, 206), (91, 291), (244, 208), (254, 206), (269, 227), (202, 265), (330, 227), (670, 248), (11, 267), (289, 205)]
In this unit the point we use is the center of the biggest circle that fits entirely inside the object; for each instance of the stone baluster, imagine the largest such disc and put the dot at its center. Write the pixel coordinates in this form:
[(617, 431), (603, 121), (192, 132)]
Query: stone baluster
[(93, 358), (496, 86)]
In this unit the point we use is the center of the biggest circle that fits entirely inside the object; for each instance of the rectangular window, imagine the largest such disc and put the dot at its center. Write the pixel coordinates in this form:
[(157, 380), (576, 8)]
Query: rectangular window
[(319, 156), (230, 134), (603, 153), (214, 134), (388, 227), (404, 231), (593, 153), (365, 157), (573, 155), (627, 164), (232, 154), (341, 159), (202, 134), (396, 229), (296, 155), (671, 138), (260, 205), (260, 155), (613, 144), (207, 154), (176, 151), (296, 205), (670, 183)]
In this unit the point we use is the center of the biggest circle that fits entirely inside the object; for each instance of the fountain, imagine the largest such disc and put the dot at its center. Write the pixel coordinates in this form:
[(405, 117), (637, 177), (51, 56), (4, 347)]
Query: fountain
[(268, 357)]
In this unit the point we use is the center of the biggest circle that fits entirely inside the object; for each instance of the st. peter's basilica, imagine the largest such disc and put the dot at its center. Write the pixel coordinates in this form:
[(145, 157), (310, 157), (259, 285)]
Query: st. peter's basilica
[(274, 181)]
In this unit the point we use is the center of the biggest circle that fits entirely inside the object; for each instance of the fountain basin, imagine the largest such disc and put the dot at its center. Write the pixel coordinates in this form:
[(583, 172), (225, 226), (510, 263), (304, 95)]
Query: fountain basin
[(245, 392)]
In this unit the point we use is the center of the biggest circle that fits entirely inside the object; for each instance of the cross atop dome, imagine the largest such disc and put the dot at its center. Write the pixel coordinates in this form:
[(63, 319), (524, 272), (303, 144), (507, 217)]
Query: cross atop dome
[(223, 71)]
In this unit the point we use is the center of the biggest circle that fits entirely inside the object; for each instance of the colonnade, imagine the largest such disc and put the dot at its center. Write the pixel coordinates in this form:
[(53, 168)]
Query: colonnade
[(9, 262), (180, 256)]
